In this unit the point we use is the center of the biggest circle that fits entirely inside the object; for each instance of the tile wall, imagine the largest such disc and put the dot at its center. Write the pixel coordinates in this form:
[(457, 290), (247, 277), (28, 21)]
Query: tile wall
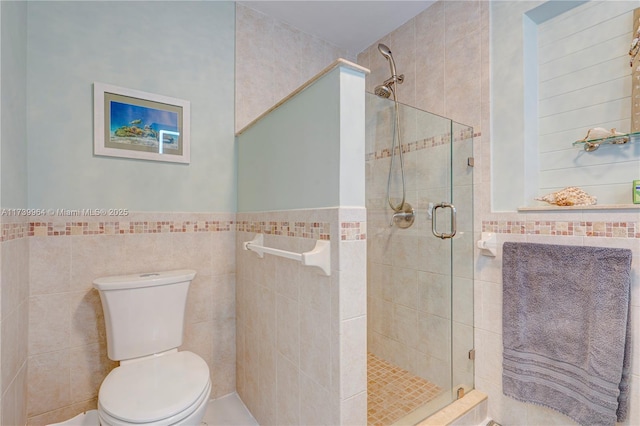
[(66, 338), (14, 270), (301, 336), (272, 60), (444, 54)]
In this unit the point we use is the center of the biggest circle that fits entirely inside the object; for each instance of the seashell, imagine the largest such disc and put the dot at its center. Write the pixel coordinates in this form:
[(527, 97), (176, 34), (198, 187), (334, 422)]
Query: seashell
[(600, 133), (569, 196)]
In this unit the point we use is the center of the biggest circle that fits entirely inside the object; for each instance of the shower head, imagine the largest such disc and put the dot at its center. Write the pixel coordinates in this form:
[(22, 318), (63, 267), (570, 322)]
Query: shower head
[(386, 52), (384, 91), (384, 49)]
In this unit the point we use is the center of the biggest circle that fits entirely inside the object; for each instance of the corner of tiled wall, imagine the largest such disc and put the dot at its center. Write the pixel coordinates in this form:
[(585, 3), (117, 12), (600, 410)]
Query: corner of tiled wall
[(14, 320), (302, 335)]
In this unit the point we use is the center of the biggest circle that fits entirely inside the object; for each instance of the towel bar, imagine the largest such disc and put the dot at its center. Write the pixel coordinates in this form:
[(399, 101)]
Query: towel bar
[(320, 256)]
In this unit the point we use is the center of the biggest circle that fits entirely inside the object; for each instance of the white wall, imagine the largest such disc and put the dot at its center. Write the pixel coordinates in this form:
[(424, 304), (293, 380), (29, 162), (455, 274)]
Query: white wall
[(14, 248), (13, 121), (179, 49), (585, 82), (558, 69)]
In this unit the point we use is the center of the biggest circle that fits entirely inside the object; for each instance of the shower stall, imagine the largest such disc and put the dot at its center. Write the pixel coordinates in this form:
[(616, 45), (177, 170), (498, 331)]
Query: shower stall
[(419, 274)]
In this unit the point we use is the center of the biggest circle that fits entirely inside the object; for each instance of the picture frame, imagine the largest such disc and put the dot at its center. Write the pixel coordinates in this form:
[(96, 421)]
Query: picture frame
[(134, 124)]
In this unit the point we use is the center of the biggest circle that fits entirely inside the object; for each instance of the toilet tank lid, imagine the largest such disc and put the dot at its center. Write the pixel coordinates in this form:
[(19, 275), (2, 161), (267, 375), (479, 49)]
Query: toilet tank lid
[(149, 279)]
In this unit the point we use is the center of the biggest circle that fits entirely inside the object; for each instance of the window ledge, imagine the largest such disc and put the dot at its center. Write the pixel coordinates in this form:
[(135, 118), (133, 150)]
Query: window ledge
[(580, 208)]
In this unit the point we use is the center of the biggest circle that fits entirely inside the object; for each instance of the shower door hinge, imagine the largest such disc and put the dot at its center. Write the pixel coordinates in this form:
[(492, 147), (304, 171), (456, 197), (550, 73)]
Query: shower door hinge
[(472, 354), (470, 161)]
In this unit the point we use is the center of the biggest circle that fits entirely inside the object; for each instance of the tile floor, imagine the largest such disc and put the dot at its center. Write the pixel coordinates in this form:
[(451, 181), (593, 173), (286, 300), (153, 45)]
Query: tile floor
[(394, 392), (228, 411)]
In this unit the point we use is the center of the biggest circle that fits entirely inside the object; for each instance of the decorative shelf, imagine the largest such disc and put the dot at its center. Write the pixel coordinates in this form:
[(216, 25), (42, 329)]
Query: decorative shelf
[(590, 145)]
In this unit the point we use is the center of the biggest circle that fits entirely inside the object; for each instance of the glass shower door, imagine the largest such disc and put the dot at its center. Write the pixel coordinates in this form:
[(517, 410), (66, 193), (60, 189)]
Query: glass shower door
[(420, 278)]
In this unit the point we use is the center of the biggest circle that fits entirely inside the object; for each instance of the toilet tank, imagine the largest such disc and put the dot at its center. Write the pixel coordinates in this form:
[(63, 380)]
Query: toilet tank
[(144, 313)]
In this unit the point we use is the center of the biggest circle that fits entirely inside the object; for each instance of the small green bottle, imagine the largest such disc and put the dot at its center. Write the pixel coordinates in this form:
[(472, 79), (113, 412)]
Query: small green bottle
[(636, 192)]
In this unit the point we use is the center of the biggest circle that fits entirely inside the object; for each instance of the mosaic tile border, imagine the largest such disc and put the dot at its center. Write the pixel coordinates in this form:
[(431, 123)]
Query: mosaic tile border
[(422, 144), (353, 231), (575, 228), (14, 231), (317, 230)]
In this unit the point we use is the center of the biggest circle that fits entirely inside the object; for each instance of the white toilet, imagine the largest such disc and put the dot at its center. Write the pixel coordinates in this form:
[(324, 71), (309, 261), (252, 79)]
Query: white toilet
[(154, 384)]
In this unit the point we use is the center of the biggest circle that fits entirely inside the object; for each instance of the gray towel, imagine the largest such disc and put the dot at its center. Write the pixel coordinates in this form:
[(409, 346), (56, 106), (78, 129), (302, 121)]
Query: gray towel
[(566, 329)]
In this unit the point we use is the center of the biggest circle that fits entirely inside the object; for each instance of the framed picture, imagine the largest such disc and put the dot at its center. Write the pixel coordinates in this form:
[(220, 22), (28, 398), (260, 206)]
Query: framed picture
[(135, 124)]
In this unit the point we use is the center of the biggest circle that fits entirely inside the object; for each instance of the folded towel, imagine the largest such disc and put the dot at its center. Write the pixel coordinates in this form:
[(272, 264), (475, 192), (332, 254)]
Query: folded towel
[(566, 329)]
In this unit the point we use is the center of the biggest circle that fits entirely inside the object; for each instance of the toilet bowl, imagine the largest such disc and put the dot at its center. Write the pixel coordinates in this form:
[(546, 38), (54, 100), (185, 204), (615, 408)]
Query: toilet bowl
[(155, 384), (172, 389)]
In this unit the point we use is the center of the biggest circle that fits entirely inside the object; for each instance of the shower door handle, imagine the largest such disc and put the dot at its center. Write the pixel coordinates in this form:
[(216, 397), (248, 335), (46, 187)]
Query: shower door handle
[(453, 221)]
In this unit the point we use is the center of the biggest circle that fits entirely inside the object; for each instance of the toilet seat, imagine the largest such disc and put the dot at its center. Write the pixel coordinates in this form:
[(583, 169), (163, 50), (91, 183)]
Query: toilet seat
[(161, 391)]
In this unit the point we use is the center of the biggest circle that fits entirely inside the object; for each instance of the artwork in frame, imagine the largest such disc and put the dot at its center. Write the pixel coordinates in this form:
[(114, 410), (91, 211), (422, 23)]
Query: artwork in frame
[(134, 124)]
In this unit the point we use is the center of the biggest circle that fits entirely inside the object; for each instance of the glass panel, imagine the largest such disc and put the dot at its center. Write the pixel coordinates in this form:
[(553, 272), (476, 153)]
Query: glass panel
[(419, 292), (462, 262)]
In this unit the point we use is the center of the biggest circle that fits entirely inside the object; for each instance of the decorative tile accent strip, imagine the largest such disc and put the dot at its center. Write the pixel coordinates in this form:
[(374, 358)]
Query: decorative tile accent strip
[(351, 231), (315, 230), (565, 228), (423, 144), (12, 231)]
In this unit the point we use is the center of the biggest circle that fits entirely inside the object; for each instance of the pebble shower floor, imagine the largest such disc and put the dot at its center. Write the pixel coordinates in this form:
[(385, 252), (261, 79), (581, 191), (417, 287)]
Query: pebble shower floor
[(394, 392)]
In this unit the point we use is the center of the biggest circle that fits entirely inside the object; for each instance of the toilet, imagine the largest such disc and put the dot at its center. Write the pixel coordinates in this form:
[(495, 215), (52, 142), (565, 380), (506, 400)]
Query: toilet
[(154, 384)]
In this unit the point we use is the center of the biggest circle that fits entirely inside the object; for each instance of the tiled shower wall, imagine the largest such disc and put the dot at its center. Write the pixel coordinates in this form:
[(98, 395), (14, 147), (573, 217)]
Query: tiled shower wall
[(301, 335), (444, 54), (412, 303), (67, 342), (272, 60)]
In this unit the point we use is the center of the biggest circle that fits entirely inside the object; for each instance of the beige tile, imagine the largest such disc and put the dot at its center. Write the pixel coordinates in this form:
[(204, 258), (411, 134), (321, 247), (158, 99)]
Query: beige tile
[(10, 356), (192, 250), (87, 318), (224, 297), (49, 386), (14, 274), (462, 18), (287, 393), (315, 290), (49, 265), (224, 339), (434, 294), (89, 366), (288, 328), (404, 284), (9, 414), (199, 299), (148, 253), (353, 411), (223, 380), (223, 253), (267, 383), (315, 353), (95, 256), (49, 327), (315, 403), (352, 287), (353, 357)]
